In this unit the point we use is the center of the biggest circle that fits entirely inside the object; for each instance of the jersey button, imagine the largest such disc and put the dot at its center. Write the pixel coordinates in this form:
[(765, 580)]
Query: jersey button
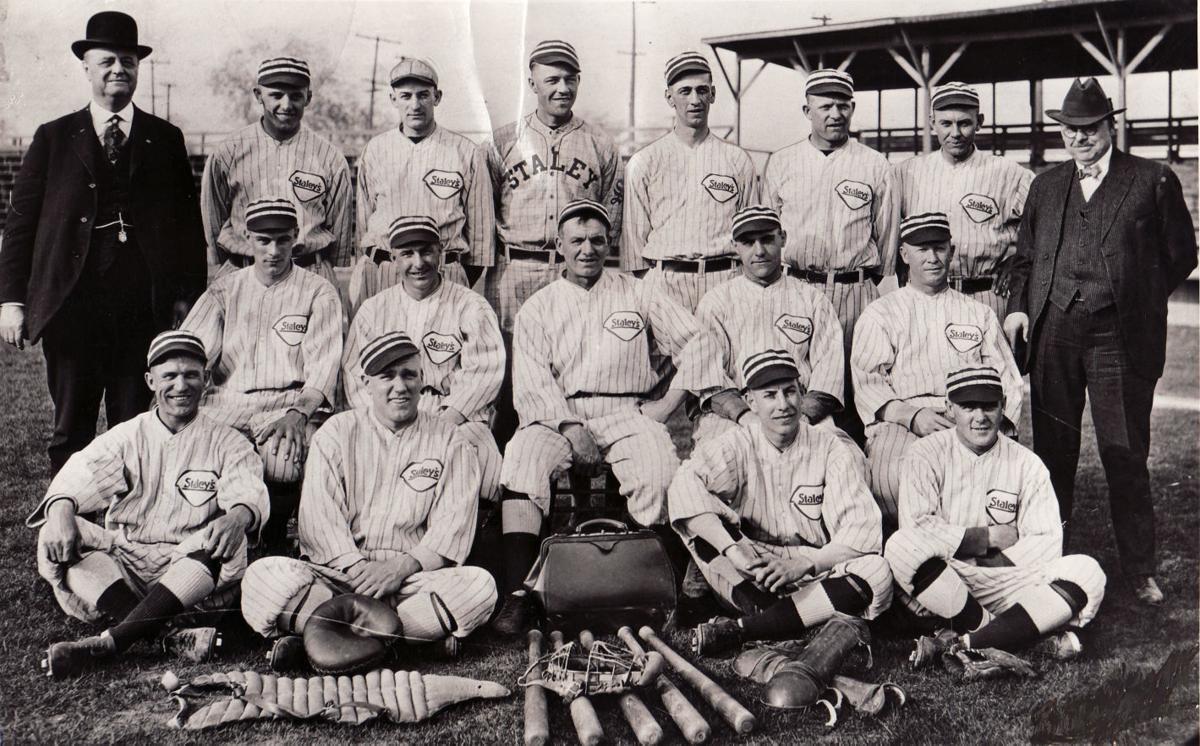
[(83, 220)]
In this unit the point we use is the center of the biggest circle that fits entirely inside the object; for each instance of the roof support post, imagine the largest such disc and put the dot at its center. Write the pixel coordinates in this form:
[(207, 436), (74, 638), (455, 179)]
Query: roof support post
[(1036, 123), (735, 89)]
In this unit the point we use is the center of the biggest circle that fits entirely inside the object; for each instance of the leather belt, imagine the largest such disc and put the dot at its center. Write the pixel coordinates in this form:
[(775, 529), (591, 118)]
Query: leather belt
[(548, 256), (696, 266), (849, 276), (379, 256), (973, 284), (599, 395)]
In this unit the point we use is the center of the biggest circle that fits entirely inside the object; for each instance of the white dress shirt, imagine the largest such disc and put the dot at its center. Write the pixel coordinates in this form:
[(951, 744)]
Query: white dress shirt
[(100, 117), (1089, 184)]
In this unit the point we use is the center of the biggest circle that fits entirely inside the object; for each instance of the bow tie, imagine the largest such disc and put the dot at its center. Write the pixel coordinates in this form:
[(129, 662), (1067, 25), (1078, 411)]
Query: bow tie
[(1092, 171)]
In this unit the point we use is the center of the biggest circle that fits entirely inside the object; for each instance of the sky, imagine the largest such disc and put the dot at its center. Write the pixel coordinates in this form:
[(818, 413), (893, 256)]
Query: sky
[(479, 49)]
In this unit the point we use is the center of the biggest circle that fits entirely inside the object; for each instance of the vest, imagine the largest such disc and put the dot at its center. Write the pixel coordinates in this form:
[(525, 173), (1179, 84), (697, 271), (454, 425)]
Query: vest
[(114, 266), (1079, 272)]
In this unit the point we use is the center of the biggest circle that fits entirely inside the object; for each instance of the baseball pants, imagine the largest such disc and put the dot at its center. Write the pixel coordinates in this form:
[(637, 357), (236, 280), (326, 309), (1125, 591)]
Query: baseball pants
[(368, 279), (249, 413), (511, 282), (274, 585), (638, 449), (886, 444), (709, 425), (849, 300), (995, 588), (686, 288), (107, 556)]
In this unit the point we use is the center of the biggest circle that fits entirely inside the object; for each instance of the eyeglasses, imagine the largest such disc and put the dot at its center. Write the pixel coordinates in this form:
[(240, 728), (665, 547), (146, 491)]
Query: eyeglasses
[(1074, 133)]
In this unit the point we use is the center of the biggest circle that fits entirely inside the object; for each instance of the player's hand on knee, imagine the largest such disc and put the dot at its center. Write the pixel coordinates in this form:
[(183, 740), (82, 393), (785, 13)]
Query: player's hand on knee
[(60, 533), (12, 325), (1002, 537), (223, 537), (779, 573), (929, 421), (1016, 327), (583, 446), (380, 579), (285, 436)]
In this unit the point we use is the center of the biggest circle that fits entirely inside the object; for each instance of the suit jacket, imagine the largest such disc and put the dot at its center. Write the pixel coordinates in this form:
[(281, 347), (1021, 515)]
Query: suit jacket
[(53, 207), (1148, 247)]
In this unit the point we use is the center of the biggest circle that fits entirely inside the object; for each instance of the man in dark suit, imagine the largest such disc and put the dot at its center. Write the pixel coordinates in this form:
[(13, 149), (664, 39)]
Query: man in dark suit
[(103, 245), (1105, 239)]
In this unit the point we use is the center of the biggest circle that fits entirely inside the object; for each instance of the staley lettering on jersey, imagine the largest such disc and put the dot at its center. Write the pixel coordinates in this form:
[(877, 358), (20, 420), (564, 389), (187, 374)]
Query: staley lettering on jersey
[(534, 165)]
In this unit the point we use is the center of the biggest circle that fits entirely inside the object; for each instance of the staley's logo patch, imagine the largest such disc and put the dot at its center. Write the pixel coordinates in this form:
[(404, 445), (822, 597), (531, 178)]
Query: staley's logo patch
[(625, 325), (798, 329), (1002, 506), (855, 194), (422, 475), (441, 347), (443, 184), (721, 188), (964, 337), (291, 329), (306, 186), (980, 208), (808, 499), (197, 486)]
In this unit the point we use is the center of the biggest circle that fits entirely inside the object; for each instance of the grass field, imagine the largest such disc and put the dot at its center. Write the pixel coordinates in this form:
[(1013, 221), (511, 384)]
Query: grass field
[(124, 705)]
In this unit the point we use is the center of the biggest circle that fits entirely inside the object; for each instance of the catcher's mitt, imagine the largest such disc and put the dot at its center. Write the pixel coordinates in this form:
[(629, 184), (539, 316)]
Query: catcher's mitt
[(985, 663), (350, 633)]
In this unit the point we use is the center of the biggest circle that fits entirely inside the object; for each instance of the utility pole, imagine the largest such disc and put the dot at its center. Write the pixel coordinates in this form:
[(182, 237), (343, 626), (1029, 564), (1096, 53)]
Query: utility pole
[(823, 19), (153, 88), (633, 55), (374, 72)]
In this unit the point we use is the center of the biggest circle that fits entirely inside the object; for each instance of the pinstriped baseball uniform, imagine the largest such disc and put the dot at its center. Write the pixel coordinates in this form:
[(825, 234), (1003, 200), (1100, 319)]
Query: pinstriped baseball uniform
[(984, 197), (536, 170), (443, 176), (305, 168), (679, 203), (159, 490), (462, 361), (585, 356), (266, 345), (787, 503), (376, 495), (947, 488), (905, 345)]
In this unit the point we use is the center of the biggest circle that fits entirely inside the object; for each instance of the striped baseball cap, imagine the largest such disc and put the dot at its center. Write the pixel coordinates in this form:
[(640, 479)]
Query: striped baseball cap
[(754, 218), (584, 208), (270, 213), (981, 384), (414, 68), (928, 227), (828, 82), (554, 51), (284, 71), (413, 229), (764, 368), (686, 62), (175, 342), (954, 94), (384, 350)]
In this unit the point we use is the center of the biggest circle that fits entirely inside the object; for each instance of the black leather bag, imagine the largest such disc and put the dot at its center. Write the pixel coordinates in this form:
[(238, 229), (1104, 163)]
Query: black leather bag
[(603, 576)]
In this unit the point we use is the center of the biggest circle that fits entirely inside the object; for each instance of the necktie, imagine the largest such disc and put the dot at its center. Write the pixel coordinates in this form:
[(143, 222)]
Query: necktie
[(1092, 171), (114, 138)]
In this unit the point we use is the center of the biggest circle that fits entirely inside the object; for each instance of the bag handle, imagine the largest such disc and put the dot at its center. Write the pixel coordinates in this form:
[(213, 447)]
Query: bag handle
[(599, 524)]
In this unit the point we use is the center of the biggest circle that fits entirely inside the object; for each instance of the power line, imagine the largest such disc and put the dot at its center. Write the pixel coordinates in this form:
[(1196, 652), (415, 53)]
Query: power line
[(374, 73)]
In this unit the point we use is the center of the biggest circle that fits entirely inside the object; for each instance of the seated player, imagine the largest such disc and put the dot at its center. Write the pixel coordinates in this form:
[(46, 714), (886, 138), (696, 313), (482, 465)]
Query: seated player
[(180, 492), (273, 332), (583, 367), (763, 308), (905, 344), (980, 540), (388, 511), (462, 358), (779, 520)]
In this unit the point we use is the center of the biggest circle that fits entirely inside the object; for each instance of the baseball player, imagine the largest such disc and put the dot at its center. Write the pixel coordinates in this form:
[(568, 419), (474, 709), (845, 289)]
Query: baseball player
[(779, 519), (906, 343), (419, 168), (762, 308), (180, 494), (462, 358), (681, 192), (539, 164), (388, 511), (980, 541), (838, 205), (277, 155), (273, 332), (583, 368), (982, 194)]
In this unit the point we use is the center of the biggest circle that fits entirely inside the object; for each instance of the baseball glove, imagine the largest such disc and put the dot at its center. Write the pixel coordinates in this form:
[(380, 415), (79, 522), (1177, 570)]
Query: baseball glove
[(986, 663), (350, 633)]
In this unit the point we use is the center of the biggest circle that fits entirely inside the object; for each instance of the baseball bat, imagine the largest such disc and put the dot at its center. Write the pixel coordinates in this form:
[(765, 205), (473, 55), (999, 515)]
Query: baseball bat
[(645, 728), (686, 717), (537, 719), (738, 717), (583, 714)]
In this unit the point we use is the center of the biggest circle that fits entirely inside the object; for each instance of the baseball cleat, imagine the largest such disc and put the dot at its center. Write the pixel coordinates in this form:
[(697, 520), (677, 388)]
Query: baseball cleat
[(287, 654), (1147, 591), (195, 644), (718, 635), (1062, 646), (66, 659), (514, 616), (930, 648)]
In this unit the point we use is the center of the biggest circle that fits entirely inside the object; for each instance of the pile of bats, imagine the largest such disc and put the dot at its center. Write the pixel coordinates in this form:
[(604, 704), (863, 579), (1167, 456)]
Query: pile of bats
[(645, 728)]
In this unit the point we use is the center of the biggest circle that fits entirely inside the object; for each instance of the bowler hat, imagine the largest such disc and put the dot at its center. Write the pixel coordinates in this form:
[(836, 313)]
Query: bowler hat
[(1085, 104), (112, 30)]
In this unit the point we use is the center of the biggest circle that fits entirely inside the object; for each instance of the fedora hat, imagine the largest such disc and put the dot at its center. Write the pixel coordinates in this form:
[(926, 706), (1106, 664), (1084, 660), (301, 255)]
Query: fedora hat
[(112, 30), (1084, 104)]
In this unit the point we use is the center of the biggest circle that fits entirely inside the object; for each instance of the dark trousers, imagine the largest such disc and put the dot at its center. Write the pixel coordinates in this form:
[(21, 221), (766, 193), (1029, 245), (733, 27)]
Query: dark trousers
[(1078, 352), (506, 421)]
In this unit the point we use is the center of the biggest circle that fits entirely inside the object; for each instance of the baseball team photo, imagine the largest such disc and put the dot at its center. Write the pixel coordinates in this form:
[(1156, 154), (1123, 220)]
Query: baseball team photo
[(600, 371)]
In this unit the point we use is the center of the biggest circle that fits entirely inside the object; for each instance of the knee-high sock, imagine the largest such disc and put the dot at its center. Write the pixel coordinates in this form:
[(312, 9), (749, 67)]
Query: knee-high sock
[(285, 497), (1035, 611), (521, 526), (808, 607), (117, 601), (939, 589), (185, 583), (96, 578)]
